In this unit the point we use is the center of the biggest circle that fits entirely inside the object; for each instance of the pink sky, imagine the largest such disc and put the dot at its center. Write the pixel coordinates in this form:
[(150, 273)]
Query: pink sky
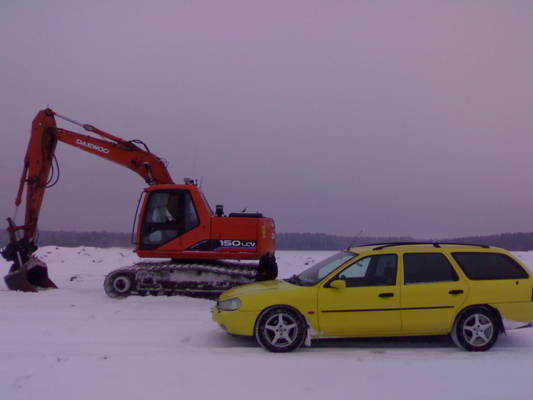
[(394, 118)]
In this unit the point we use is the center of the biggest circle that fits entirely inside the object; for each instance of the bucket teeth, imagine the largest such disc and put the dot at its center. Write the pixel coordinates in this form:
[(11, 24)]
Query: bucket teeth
[(30, 277), (17, 280)]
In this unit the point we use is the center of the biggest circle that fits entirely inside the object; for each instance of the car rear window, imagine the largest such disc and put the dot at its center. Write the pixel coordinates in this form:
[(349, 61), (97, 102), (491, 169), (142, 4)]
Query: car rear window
[(487, 266)]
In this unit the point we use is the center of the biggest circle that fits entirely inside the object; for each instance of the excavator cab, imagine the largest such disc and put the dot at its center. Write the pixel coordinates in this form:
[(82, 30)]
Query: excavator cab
[(169, 213), (177, 222)]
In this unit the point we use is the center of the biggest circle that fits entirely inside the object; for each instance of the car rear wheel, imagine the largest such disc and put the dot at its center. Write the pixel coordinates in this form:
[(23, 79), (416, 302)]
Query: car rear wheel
[(476, 329), (280, 329)]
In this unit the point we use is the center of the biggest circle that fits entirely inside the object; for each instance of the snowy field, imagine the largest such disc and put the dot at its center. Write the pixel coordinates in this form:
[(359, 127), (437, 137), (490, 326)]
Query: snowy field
[(76, 343)]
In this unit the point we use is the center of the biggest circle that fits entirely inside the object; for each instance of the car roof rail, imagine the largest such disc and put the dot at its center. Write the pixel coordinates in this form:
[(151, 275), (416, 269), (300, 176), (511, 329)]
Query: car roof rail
[(485, 246), (380, 246)]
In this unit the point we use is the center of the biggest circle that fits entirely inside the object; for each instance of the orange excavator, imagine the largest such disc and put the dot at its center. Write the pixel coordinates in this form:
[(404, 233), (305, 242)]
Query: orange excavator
[(203, 249)]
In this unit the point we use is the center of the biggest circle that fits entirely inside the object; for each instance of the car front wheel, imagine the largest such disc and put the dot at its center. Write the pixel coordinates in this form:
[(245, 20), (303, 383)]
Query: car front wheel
[(280, 329), (476, 329)]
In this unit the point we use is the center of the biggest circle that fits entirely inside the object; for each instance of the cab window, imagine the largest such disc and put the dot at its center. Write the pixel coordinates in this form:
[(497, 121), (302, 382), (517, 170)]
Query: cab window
[(427, 267), (376, 270), (169, 214)]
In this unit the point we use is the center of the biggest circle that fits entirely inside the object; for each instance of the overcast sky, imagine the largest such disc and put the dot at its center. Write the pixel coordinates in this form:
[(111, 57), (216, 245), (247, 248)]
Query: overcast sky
[(381, 117)]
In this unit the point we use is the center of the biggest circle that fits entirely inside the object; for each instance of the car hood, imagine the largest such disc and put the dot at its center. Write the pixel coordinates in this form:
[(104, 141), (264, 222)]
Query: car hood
[(258, 287)]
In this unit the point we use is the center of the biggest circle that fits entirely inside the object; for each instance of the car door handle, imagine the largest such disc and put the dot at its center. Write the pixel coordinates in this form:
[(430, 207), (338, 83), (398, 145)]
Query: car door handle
[(457, 291), (386, 294)]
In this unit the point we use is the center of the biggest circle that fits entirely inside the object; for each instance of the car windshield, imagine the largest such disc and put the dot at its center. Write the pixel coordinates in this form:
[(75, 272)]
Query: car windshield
[(318, 271)]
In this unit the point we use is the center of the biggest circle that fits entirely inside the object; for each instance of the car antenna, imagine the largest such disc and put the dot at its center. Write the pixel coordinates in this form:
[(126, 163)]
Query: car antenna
[(354, 239)]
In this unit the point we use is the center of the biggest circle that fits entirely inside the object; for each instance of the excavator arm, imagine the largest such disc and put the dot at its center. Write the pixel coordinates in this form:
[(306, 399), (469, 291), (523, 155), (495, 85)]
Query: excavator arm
[(36, 178)]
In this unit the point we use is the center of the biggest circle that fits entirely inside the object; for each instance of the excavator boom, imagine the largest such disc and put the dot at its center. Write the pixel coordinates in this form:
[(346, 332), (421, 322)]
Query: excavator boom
[(40, 155), (36, 178)]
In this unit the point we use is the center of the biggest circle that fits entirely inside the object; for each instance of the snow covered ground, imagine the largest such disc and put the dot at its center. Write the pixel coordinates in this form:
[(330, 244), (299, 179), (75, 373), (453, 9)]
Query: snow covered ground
[(76, 343)]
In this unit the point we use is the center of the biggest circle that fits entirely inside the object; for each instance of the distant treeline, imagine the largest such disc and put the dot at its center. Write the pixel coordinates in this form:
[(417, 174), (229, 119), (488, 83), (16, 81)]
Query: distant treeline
[(75, 239), (322, 241), (284, 241)]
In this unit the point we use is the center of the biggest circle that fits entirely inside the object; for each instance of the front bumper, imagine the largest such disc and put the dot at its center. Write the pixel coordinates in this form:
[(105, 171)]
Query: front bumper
[(235, 322)]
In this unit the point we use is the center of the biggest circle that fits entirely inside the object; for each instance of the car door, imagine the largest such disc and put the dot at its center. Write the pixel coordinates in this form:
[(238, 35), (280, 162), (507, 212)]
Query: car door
[(368, 305), (431, 292)]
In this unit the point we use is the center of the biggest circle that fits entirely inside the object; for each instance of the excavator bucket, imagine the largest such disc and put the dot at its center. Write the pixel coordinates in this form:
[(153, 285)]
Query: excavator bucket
[(30, 277)]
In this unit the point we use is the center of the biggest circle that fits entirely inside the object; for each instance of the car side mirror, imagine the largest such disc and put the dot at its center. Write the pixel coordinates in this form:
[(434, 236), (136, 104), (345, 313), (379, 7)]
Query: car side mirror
[(338, 284)]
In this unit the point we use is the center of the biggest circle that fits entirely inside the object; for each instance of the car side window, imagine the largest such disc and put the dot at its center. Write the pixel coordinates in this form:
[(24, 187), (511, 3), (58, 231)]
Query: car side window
[(377, 270), (427, 267)]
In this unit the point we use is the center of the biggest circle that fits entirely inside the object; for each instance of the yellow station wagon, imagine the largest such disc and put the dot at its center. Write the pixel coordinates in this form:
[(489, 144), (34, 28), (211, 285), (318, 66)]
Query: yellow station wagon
[(386, 290)]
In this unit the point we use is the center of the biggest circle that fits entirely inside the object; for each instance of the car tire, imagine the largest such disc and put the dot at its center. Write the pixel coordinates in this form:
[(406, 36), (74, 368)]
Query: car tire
[(476, 329), (118, 285), (280, 329)]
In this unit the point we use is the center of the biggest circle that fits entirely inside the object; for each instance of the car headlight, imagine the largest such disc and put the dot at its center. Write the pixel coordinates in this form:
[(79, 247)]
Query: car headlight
[(229, 304)]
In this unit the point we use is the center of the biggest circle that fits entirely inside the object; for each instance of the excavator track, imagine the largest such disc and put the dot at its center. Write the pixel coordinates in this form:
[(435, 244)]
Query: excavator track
[(193, 279)]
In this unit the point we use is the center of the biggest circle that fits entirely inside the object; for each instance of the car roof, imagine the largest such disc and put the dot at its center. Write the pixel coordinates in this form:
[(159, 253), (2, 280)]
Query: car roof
[(417, 246)]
